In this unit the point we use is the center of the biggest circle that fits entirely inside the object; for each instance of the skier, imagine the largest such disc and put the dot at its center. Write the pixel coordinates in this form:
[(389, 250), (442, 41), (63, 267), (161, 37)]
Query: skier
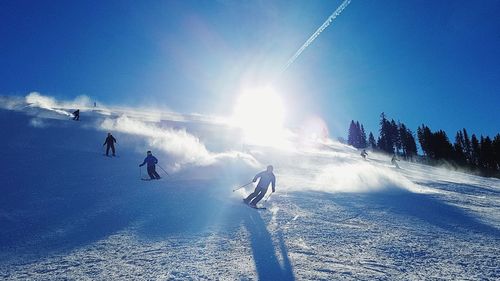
[(393, 161), (266, 177), (364, 154), (110, 141), (76, 115), (151, 161)]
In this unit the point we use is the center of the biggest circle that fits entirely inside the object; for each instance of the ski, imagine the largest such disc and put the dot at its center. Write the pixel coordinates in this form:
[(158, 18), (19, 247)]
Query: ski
[(254, 207), (111, 156), (144, 179)]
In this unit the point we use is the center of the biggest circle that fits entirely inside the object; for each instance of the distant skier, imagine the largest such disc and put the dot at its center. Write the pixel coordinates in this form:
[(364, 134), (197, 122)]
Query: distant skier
[(110, 142), (266, 177), (76, 115), (151, 161), (394, 161), (364, 154)]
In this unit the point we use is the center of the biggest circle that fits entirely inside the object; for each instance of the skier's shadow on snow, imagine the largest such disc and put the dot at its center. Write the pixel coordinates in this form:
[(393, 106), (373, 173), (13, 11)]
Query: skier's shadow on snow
[(264, 254), (201, 214)]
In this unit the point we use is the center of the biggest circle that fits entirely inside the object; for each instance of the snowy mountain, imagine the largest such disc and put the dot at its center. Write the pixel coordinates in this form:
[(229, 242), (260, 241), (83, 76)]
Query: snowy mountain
[(69, 212)]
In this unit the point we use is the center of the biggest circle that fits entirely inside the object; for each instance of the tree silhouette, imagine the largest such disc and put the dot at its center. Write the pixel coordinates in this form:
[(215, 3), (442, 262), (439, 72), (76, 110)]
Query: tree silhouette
[(385, 141), (371, 141), (475, 151), (356, 136)]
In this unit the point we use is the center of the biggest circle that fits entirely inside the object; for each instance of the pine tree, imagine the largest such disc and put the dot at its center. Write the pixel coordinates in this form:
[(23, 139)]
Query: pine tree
[(467, 147), (407, 140), (351, 137), (395, 137), (358, 135), (371, 141), (475, 151), (442, 146), (385, 140), (486, 156), (425, 140), (363, 137), (402, 132), (411, 145), (458, 147), (496, 151)]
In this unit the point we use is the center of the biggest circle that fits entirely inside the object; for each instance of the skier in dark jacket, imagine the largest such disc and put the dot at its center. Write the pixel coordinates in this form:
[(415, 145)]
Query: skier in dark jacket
[(76, 115), (266, 177), (151, 161), (110, 142), (364, 154)]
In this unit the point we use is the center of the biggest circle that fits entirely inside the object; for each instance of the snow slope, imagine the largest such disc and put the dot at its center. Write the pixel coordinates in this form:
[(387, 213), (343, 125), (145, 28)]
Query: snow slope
[(68, 212)]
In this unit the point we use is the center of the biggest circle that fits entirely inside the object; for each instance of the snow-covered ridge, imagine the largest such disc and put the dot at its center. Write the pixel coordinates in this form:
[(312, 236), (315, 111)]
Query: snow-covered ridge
[(68, 212)]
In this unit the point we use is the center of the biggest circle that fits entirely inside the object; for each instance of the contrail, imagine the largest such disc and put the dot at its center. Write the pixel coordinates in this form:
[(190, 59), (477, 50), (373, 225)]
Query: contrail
[(328, 21)]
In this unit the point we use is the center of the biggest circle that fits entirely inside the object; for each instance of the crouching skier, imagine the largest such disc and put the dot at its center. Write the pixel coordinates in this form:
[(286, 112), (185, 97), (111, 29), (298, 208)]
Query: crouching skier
[(364, 154), (266, 177), (151, 162), (76, 115)]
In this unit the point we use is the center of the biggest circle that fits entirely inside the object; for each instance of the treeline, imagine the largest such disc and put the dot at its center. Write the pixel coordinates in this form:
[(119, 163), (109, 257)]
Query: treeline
[(481, 154), (476, 154), (393, 138)]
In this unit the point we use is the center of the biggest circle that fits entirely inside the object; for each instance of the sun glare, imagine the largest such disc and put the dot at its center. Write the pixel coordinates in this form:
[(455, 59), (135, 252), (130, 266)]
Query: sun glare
[(260, 113)]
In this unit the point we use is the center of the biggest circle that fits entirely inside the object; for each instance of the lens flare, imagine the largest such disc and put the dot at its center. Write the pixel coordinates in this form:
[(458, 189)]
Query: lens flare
[(260, 114)]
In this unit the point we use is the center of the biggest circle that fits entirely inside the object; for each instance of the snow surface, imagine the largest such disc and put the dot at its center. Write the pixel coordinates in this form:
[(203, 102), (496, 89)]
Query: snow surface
[(68, 212)]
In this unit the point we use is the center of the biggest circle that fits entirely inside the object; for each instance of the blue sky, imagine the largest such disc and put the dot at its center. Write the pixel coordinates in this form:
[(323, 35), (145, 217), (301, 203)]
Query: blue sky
[(432, 62)]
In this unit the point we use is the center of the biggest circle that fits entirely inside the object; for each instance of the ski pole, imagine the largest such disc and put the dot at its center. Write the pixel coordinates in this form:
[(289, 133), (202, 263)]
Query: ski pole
[(140, 172), (163, 170), (242, 186)]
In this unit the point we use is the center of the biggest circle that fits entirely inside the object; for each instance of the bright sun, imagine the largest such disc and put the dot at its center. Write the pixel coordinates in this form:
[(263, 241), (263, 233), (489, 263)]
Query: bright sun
[(260, 114)]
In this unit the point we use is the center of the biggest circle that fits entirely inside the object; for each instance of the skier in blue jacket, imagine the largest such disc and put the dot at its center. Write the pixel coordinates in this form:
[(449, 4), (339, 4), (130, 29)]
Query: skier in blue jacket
[(151, 162), (266, 177)]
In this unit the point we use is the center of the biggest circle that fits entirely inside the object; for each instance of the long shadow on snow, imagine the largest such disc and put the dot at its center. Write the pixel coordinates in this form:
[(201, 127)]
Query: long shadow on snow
[(425, 207), (190, 214), (266, 262)]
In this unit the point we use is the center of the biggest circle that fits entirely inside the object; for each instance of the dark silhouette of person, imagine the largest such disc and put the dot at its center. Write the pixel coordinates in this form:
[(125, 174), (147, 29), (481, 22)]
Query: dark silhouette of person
[(266, 177), (151, 162), (364, 154), (394, 161), (110, 142), (76, 115)]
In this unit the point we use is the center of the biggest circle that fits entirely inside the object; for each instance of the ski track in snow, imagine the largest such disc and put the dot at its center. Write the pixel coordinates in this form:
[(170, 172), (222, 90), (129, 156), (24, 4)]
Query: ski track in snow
[(70, 213)]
